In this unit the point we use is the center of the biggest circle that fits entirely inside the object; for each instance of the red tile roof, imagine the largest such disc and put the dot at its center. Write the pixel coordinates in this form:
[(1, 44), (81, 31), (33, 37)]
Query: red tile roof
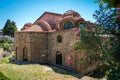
[(35, 28), (48, 21), (71, 13), (26, 26), (50, 18)]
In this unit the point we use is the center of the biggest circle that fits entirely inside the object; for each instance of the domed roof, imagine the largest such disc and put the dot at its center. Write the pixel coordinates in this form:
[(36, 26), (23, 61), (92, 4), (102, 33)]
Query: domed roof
[(26, 26), (71, 13), (35, 28), (44, 25)]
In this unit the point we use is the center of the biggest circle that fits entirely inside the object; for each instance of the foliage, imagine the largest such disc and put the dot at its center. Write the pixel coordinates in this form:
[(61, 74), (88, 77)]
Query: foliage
[(96, 46), (114, 72), (3, 77), (6, 59), (108, 17), (110, 71), (114, 49), (111, 3), (5, 43), (9, 28), (3, 40), (6, 46), (88, 43), (100, 71)]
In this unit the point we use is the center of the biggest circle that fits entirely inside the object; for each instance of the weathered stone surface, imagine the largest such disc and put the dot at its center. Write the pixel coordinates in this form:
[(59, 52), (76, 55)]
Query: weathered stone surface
[(37, 46)]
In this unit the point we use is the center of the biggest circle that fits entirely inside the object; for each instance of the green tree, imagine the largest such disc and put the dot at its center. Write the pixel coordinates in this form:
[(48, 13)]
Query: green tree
[(111, 3), (108, 16), (9, 28), (5, 29)]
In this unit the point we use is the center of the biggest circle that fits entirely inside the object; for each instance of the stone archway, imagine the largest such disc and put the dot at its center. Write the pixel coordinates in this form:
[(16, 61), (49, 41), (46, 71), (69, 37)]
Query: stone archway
[(24, 54), (58, 58)]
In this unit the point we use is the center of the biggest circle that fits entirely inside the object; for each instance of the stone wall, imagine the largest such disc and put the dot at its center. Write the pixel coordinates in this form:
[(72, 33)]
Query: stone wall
[(43, 47), (22, 40), (68, 36), (35, 44), (39, 46)]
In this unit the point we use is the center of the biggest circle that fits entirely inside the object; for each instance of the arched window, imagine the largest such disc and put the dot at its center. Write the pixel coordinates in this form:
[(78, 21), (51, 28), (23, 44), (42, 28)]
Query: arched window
[(81, 25), (59, 39), (68, 25), (25, 54)]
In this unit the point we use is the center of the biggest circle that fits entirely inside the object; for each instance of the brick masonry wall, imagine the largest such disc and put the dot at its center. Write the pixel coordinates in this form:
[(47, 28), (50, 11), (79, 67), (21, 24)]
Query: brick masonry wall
[(38, 45), (34, 42), (67, 37), (22, 40), (43, 46)]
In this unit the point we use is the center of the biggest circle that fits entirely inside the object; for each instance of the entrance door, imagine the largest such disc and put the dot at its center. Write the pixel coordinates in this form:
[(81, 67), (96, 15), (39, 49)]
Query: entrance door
[(58, 58), (24, 54), (16, 53)]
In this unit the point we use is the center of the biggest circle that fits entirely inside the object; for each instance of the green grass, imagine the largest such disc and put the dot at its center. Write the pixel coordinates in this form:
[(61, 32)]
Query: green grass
[(5, 59), (3, 77), (34, 72)]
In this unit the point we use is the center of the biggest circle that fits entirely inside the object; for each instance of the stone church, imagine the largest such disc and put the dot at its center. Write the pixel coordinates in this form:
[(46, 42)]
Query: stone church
[(47, 39)]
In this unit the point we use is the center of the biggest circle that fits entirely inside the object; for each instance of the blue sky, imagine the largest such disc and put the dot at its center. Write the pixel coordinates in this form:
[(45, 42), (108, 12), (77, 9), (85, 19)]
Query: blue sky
[(23, 11)]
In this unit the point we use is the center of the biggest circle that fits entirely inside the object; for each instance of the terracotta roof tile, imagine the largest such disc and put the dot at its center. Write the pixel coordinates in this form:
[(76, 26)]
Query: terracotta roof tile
[(44, 25), (26, 26), (50, 18), (71, 13), (48, 21), (35, 28)]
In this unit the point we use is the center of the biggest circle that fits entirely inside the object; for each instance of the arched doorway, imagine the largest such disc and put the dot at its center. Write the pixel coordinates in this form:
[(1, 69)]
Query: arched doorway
[(24, 54), (16, 53), (58, 58)]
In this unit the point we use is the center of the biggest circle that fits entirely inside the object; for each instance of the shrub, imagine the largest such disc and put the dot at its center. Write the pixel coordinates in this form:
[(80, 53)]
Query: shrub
[(5, 43), (114, 72), (100, 72)]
